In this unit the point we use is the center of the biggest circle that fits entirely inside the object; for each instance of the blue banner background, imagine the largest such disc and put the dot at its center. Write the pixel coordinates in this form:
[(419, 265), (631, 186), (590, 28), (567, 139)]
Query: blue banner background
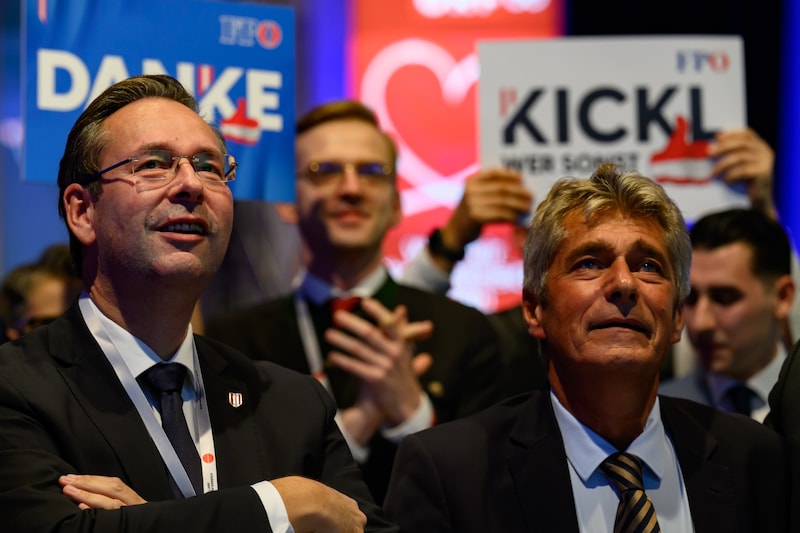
[(226, 54)]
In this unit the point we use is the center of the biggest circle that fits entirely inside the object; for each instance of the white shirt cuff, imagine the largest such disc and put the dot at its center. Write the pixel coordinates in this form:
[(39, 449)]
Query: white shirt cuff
[(360, 453), (423, 418), (273, 504), (422, 273)]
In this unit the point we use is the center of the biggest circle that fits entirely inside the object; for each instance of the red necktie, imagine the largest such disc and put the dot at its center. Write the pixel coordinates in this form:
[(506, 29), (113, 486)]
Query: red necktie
[(344, 304)]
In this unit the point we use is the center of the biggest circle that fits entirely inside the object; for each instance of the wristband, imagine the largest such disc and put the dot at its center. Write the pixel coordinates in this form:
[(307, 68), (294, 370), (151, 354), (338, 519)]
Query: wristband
[(437, 247)]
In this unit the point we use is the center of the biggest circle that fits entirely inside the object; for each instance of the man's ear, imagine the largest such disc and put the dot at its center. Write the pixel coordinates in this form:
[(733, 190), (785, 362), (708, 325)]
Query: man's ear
[(680, 319), (532, 312), (784, 296), (79, 213)]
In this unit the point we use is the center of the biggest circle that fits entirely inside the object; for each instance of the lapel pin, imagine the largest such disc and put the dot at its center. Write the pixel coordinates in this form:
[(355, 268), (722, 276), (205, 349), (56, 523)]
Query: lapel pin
[(436, 389), (235, 399)]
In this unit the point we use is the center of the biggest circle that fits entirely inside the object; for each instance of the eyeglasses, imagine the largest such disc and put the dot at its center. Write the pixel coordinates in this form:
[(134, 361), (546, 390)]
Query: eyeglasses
[(157, 167), (323, 172)]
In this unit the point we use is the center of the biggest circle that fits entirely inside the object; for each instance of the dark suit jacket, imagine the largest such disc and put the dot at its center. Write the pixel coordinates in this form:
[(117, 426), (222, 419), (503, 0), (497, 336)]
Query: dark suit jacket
[(784, 417), (63, 410), (505, 469), (462, 380)]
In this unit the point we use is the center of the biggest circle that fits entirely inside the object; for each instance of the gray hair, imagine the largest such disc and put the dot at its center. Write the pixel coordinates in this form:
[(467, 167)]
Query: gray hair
[(607, 191)]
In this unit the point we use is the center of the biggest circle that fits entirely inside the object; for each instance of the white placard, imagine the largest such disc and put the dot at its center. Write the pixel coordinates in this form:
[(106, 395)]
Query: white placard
[(557, 107)]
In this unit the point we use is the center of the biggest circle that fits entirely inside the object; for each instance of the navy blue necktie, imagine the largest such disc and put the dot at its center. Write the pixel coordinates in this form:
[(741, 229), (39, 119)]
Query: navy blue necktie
[(741, 396), (166, 381)]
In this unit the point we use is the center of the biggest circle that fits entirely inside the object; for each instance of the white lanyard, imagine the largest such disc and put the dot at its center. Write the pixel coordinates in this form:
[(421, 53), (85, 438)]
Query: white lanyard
[(308, 338), (112, 351)]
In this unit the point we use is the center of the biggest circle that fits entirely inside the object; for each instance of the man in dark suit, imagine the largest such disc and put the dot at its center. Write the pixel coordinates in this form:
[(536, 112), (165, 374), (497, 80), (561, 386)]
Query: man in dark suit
[(736, 312), (389, 373), (115, 417), (606, 271), (784, 417)]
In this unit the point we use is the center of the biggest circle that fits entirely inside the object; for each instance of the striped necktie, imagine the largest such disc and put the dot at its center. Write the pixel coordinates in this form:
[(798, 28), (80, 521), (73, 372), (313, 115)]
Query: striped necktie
[(635, 513)]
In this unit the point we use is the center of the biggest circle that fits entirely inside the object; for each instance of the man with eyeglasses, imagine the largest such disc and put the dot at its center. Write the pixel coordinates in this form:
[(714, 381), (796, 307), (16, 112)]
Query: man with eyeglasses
[(115, 416), (401, 359)]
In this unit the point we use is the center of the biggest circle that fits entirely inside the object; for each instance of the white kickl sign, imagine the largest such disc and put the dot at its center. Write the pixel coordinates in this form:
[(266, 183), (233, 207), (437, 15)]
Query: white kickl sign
[(558, 107)]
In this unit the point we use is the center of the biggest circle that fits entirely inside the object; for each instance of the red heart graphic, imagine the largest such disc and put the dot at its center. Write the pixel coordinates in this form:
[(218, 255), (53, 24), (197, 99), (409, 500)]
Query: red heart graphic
[(441, 133), (444, 89)]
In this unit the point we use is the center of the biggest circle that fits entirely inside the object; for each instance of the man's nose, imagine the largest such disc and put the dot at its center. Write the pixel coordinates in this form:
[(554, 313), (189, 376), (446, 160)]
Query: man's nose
[(621, 285), (186, 179), (350, 182)]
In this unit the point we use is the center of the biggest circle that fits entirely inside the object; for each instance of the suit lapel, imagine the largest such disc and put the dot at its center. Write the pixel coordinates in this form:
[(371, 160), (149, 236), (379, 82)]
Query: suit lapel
[(232, 418), (387, 293), (543, 486), (708, 484), (538, 467), (95, 386)]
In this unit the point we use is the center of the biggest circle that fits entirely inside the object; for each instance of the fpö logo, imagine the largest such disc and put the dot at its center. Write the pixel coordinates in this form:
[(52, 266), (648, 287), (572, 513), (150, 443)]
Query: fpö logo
[(699, 61), (249, 32), (476, 8)]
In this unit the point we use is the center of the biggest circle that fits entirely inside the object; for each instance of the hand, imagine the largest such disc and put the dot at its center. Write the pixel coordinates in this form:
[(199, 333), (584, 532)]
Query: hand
[(363, 419), (98, 492), (744, 157), (314, 507), (382, 357), (492, 195)]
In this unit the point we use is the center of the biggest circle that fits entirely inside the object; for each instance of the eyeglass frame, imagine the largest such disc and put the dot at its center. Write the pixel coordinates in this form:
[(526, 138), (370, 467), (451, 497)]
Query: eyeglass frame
[(386, 176), (227, 178)]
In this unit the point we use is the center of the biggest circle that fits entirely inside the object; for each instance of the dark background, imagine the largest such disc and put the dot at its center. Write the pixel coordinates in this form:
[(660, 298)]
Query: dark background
[(758, 22)]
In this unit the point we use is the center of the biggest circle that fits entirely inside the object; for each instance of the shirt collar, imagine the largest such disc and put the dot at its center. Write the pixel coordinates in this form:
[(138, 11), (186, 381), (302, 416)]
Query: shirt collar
[(760, 383), (586, 449), (318, 291), (139, 357)]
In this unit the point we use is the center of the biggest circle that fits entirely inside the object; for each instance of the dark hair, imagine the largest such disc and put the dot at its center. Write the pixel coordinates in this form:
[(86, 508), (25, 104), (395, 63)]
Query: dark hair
[(16, 289), (88, 138), (771, 257), (345, 110)]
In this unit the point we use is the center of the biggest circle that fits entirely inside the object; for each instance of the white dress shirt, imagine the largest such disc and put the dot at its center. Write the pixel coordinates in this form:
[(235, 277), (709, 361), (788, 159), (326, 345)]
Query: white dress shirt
[(138, 358)]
